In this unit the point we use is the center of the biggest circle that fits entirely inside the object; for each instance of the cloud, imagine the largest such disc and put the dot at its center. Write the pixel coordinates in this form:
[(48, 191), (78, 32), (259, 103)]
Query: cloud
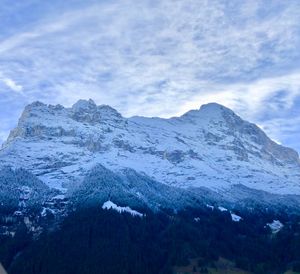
[(252, 98), (158, 58), (11, 84)]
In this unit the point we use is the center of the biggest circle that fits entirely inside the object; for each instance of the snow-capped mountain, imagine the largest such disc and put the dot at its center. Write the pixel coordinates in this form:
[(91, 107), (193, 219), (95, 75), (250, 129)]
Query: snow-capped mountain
[(211, 147)]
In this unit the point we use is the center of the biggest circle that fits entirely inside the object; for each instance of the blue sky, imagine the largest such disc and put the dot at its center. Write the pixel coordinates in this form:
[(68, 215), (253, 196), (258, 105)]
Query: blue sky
[(155, 58)]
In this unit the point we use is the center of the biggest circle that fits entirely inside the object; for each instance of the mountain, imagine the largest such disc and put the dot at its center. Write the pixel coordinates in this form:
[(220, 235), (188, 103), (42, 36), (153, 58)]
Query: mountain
[(205, 152), (146, 195)]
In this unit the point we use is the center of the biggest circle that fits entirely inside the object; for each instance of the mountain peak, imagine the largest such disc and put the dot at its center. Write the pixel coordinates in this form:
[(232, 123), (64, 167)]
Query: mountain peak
[(84, 105), (214, 107), (34, 105), (211, 111)]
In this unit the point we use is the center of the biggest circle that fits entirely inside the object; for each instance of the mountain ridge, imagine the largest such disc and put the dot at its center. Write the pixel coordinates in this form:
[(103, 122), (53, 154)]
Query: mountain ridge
[(211, 147)]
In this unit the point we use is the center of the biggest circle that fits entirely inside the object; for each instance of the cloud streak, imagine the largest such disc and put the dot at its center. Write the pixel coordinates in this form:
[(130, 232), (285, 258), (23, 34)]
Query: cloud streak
[(11, 84)]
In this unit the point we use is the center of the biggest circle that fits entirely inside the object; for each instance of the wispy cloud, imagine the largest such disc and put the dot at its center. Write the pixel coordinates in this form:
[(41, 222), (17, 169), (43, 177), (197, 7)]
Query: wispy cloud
[(160, 57), (11, 84)]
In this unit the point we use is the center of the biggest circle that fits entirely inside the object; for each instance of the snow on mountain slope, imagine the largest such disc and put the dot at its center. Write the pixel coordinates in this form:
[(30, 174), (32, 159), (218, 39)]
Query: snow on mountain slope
[(275, 226), (20, 189), (211, 147), (127, 187), (110, 205)]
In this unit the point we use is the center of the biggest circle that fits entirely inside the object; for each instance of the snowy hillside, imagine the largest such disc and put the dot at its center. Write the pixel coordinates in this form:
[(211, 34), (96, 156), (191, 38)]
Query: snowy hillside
[(211, 147)]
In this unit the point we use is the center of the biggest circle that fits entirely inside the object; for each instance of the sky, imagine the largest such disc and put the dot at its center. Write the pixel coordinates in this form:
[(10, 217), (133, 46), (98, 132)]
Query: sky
[(154, 58)]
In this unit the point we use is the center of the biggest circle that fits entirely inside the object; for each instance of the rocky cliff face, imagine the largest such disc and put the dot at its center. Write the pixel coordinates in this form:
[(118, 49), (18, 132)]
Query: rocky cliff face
[(211, 147)]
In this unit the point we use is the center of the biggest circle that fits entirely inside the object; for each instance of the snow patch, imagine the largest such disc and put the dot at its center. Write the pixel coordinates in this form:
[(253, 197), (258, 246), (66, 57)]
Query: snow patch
[(275, 226), (120, 209), (18, 213), (45, 210), (222, 208), (59, 197), (235, 218), (210, 206)]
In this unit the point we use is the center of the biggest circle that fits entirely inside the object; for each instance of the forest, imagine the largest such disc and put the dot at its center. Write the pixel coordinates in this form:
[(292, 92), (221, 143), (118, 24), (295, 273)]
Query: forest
[(95, 241)]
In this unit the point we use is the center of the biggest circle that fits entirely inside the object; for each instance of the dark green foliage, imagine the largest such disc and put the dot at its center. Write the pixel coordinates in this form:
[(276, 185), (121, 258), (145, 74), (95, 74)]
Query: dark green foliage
[(296, 266), (11, 247), (97, 241)]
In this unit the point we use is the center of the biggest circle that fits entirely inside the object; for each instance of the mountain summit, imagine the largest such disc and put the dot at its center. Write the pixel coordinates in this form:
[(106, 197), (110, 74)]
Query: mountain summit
[(209, 148)]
